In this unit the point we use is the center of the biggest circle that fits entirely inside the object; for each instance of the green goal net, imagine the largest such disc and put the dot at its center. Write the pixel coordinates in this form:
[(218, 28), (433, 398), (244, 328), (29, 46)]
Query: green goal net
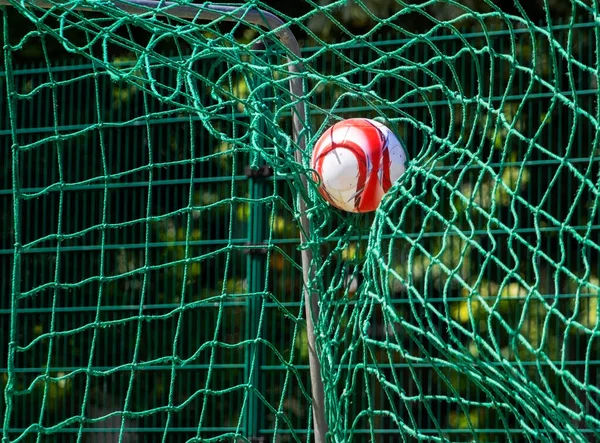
[(161, 230)]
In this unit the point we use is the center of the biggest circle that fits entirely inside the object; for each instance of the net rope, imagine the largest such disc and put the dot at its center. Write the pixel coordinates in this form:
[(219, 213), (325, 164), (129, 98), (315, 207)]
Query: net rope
[(150, 229)]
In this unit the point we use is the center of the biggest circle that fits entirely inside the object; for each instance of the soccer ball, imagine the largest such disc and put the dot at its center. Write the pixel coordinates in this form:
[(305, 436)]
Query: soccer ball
[(357, 160)]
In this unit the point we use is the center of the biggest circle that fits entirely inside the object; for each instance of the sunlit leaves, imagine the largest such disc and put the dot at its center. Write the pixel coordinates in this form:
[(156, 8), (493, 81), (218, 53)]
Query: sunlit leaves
[(123, 92), (302, 345), (585, 300), (499, 190), (472, 307), (463, 421)]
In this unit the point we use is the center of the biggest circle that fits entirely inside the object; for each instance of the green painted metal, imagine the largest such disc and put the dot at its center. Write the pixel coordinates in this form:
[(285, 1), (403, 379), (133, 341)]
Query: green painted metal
[(134, 290)]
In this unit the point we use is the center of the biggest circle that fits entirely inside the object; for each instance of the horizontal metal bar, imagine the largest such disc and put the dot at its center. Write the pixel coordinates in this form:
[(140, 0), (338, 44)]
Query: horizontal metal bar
[(97, 429), (118, 185), (116, 308), (548, 162), (464, 431), (85, 248), (434, 234), (291, 241), (290, 304), (432, 365), (126, 367), (132, 123), (298, 367), (378, 431), (269, 431), (237, 178)]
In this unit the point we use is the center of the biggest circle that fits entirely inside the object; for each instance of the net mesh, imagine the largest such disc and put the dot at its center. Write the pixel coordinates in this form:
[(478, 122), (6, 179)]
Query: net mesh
[(150, 223)]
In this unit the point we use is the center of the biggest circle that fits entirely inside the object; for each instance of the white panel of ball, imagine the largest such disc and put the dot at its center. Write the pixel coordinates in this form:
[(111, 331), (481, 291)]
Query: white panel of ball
[(340, 177)]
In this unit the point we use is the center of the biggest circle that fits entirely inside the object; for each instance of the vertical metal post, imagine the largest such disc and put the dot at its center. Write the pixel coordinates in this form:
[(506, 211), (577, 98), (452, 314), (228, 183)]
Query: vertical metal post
[(311, 296), (257, 231), (255, 275)]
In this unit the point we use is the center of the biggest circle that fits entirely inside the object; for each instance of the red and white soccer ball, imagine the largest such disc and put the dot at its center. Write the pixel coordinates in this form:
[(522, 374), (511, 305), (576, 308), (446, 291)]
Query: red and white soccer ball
[(358, 160)]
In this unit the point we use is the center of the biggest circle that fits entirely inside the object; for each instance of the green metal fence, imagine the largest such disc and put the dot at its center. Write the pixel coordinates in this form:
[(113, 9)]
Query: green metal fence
[(110, 286)]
